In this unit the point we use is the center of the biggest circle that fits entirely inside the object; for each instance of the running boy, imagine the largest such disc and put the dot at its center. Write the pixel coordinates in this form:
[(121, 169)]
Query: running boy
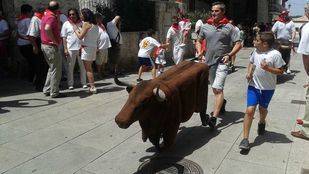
[(146, 49), (265, 64)]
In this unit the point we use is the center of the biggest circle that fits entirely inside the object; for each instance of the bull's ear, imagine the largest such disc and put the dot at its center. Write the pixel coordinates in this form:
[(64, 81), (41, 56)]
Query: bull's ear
[(160, 95), (129, 88)]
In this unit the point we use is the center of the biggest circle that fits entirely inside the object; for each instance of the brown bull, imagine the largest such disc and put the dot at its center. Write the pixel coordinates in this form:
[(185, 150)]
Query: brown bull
[(161, 104)]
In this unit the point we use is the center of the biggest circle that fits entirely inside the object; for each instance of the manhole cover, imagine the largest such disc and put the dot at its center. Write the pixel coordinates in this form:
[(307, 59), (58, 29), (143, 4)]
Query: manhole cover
[(299, 102), (168, 165)]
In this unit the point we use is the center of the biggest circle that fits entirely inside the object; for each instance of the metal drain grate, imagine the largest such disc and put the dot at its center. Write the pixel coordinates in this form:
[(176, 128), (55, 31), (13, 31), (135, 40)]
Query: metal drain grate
[(299, 102), (169, 165)]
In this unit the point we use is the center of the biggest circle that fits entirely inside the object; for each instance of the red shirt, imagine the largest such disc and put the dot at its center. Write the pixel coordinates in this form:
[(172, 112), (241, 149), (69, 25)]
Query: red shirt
[(51, 19)]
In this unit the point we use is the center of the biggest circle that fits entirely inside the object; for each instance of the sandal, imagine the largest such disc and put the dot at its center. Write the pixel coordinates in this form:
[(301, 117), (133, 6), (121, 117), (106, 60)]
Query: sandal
[(298, 134)]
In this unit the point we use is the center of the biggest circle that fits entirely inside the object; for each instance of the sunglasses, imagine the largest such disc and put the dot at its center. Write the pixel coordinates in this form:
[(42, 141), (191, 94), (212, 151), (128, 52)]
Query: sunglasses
[(72, 14)]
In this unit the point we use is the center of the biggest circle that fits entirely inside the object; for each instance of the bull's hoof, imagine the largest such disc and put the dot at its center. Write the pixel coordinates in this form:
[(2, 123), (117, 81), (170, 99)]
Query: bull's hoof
[(204, 119)]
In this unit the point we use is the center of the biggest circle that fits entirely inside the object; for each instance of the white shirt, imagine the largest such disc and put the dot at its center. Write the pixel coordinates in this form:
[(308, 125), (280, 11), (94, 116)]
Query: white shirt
[(146, 47), (175, 36), (35, 27), (303, 47), (22, 28), (113, 31), (103, 40), (283, 30), (262, 79), (3, 27), (73, 43), (91, 38)]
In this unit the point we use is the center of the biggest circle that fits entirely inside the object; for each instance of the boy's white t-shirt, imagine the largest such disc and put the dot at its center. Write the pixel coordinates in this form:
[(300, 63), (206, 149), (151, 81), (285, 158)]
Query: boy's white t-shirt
[(284, 30), (3, 27), (146, 47), (175, 36), (303, 47), (103, 40), (262, 79), (67, 31)]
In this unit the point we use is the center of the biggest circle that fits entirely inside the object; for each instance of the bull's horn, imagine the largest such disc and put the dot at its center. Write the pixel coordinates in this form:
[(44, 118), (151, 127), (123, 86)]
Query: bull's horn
[(129, 86), (160, 95)]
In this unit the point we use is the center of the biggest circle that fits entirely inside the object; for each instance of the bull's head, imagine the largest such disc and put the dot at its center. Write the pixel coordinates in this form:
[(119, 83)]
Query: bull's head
[(145, 99)]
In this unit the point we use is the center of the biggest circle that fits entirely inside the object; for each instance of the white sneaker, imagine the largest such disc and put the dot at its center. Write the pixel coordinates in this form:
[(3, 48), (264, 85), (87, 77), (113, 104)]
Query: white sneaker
[(71, 87), (85, 86), (93, 90), (288, 71)]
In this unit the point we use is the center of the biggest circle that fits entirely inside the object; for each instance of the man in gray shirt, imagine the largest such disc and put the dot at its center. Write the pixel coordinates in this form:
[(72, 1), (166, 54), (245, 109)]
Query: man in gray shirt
[(219, 35)]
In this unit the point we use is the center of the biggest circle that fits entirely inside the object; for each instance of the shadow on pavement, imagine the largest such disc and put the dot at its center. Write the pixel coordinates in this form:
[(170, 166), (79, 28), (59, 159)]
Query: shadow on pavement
[(270, 137), (190, 139), (24, 103), (285, 78)]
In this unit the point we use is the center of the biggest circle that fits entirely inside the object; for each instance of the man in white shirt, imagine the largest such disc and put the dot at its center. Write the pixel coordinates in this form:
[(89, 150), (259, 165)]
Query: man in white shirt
[(303, 49), (25, 47), (284, 30), (174, 37), (103, 45), (72, 45), (33, 34), (113, 30)]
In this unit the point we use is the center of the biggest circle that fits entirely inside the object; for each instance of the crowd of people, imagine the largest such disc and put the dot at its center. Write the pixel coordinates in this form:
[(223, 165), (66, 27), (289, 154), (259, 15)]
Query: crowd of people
[(48, 37)]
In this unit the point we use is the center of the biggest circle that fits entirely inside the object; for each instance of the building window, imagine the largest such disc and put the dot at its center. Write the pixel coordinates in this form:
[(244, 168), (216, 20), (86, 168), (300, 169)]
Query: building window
[(136, 15)]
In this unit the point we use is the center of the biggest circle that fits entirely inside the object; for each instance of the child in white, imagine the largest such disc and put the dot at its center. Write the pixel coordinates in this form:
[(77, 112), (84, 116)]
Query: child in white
[(160, 60), (71, 48), (146, 49), (267, 64)]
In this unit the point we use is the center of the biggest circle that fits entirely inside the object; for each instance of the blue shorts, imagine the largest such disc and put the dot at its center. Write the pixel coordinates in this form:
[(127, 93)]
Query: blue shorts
[(145, 61), (259, 97)]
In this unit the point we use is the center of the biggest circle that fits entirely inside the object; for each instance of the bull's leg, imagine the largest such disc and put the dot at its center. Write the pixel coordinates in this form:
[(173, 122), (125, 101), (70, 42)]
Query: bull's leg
[(204, 118), (169, 136), (155, 140)]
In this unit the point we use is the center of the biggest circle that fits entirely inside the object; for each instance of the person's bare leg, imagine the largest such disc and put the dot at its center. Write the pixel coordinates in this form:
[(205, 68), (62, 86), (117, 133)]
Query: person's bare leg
[(89, 72), (249, 116), (140, 71), (219, 97), (154, 72), (263, 114)]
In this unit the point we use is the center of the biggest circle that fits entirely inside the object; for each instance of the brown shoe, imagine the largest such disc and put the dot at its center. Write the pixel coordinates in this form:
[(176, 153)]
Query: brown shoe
[(299, 134)]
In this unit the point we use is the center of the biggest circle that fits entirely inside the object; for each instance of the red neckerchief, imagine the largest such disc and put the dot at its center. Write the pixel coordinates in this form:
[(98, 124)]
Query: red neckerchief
[(223, 21), (175, 26), (282, 18), (39, 15), (101, 25), (22, 17), (72, 22)]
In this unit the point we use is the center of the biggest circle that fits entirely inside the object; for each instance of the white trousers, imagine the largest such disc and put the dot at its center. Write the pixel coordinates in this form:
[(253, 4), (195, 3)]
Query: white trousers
[(178, 53), (73, 55)]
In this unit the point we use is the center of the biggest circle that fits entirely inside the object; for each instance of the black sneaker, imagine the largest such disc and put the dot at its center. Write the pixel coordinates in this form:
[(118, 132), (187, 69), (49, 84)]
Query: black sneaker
[(212, 122), (244, 144), (204, 119), (222, 110), (261, 128)]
